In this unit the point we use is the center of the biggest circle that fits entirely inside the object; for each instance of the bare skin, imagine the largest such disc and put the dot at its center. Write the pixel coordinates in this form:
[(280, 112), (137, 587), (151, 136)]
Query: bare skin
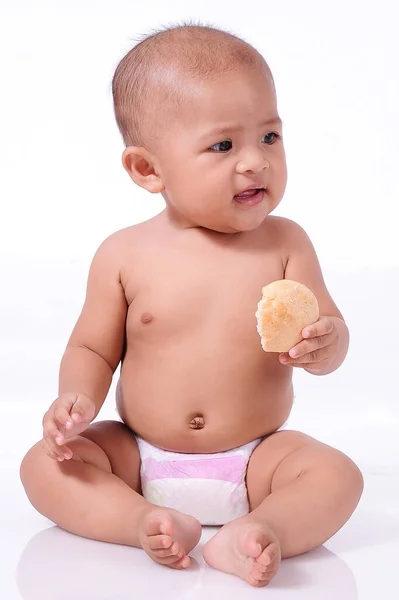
[(182, 316), (173, 300)]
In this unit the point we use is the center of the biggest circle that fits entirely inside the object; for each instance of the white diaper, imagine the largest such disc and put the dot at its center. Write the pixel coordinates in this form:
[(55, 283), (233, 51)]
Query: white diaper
[(210, 487)]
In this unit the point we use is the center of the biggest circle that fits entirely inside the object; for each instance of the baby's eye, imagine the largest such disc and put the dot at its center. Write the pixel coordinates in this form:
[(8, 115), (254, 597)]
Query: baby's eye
[(224, 146), (270, 138)]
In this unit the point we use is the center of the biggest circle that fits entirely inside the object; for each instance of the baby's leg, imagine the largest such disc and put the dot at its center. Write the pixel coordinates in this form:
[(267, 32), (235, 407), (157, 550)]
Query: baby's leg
[(96, 494), (300, 493)]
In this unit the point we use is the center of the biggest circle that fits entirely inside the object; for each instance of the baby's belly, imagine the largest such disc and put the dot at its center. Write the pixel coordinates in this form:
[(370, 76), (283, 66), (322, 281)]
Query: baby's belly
[(202, 405)]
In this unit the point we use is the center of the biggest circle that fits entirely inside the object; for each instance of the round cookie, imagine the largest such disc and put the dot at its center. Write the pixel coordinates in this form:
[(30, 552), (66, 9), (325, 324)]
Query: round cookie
[(285, 309)]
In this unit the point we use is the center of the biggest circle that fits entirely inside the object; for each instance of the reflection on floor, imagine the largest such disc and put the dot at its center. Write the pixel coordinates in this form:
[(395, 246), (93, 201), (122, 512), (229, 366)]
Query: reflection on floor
[(75, 567)]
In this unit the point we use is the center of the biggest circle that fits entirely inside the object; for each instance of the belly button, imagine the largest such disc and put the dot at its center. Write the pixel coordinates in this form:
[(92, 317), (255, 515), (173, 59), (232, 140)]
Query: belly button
[(197, 423), (146, 318)]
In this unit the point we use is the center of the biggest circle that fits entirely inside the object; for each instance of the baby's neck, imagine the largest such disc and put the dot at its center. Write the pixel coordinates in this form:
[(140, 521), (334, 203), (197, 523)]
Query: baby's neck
[(176, 220)]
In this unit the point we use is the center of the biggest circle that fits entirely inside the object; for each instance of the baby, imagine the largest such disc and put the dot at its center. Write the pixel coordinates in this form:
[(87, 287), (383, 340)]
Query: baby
[(173, 301)]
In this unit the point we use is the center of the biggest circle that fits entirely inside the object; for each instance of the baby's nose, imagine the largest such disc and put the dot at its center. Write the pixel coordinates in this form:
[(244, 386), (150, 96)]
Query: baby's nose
[(254, 162)]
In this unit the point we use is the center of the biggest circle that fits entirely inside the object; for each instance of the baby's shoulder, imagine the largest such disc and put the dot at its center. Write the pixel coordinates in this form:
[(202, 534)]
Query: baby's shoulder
[(121, 246), (284, 230), (126, 239)]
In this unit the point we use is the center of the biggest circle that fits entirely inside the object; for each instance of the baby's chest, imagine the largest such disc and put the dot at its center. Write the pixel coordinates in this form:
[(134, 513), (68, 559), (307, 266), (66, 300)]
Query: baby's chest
[(199, 298)]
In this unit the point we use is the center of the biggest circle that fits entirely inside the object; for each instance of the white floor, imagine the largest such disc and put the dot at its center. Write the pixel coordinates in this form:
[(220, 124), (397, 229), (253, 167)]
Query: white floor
[(355, 409)]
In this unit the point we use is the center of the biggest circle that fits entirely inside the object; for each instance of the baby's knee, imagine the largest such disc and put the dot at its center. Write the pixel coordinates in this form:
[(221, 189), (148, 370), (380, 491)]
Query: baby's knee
[(33, 474), (30, 465), (345, 476), (38, 469), (351, 475)]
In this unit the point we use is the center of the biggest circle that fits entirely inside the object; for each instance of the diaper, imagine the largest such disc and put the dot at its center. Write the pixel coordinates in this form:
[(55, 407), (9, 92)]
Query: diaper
[(210, 487)]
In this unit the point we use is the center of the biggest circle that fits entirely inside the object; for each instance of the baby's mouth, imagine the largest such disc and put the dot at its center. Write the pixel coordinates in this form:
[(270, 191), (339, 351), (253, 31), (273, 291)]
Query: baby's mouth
[(250, 197)]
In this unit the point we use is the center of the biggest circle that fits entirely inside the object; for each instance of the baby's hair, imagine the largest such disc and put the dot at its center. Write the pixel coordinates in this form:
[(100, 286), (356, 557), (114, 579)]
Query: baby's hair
[(150, 80)]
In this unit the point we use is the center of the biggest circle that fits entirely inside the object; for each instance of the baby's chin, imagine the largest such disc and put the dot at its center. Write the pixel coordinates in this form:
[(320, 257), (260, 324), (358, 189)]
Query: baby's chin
[(240, 221), (249, 222), (233, 228), (237, 225)]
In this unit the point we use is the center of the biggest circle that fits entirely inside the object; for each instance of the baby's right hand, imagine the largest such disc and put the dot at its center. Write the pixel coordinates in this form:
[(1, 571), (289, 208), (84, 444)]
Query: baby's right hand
[(68, 416)]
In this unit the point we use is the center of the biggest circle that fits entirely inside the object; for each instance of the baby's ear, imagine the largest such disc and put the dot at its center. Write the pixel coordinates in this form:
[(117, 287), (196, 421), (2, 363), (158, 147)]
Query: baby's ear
[(138, 163)]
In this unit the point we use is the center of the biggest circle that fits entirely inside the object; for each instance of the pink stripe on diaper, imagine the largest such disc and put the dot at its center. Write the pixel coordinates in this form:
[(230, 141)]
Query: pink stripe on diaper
[(231, 468)]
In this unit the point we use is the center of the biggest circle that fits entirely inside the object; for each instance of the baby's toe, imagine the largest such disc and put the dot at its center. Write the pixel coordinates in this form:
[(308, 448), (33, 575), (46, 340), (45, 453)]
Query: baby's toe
[(176, 561), (257, 581), (269, 554), (259, 577), (259, 569), (174, 551), (182, 562), (167, 561), (266, 565), (159, 542), (158, 524)]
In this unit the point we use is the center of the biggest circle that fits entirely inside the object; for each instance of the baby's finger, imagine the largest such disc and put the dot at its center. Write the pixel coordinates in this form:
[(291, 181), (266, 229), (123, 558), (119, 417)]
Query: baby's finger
[(52, 432), (310, 345), (61, 452), (308, 359), (62, 416), (83, 410), (50, 453), (50, 427), (323, 326), (52, 446)]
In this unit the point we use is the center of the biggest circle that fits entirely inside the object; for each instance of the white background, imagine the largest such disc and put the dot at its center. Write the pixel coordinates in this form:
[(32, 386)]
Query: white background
[(63, 190)]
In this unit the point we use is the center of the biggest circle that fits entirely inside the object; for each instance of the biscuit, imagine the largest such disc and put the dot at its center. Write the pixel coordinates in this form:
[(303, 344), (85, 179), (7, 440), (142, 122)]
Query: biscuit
[(285, 309)]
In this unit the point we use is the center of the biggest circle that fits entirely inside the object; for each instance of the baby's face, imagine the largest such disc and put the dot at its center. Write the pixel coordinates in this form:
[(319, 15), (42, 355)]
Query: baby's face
[(227, 139)]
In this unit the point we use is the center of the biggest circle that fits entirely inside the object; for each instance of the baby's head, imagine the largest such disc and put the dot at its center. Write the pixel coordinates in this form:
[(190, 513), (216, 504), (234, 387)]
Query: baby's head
[(197, 110)]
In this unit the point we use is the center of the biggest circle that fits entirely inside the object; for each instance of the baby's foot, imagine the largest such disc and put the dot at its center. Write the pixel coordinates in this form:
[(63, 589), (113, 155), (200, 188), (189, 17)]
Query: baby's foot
[(246, 548), (167, 536)]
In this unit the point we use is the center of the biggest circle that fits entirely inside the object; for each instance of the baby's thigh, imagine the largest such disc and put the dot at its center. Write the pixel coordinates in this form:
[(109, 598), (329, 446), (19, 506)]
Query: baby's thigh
[(284, 456), (119, 444)]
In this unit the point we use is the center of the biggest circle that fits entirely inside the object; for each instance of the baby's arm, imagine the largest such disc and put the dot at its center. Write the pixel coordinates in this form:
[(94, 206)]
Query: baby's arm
[(327, 345), (92, 354), (95, 347)]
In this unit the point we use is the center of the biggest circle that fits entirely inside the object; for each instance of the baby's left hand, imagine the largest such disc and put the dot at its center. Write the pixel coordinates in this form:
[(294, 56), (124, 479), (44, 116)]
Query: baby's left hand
[(319, 347)]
